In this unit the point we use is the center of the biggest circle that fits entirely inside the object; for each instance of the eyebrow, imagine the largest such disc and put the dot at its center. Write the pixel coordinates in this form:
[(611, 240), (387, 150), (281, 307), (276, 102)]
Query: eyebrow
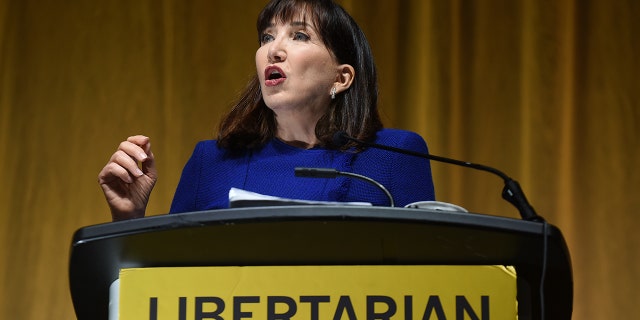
[(293, 23)]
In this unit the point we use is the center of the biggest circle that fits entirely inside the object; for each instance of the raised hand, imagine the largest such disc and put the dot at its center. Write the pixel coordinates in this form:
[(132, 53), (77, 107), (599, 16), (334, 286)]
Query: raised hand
[(128, 178)]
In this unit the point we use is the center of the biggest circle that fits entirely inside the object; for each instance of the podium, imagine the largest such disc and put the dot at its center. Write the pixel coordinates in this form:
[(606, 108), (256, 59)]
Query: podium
[(324, 236)]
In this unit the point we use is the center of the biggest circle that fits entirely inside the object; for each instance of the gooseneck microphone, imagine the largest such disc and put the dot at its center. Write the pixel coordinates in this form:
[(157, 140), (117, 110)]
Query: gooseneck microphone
[(512, 192), (333, 173)]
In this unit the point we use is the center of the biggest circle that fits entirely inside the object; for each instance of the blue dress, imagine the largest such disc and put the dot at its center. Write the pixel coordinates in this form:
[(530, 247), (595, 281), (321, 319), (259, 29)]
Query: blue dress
[(212, 171)]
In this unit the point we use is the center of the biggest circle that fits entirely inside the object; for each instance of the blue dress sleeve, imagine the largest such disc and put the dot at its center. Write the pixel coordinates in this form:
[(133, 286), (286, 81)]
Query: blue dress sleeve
[(185, 197), (407, 177), (414, 181)]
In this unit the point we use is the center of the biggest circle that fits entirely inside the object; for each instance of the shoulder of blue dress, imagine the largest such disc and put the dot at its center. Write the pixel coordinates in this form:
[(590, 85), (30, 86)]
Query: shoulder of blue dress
[(392, 132), (398, 137), (209, 150), (207, 144), (206, 147)]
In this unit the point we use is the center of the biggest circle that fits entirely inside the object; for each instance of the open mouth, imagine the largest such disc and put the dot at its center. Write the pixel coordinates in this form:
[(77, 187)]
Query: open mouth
[(274, 76)]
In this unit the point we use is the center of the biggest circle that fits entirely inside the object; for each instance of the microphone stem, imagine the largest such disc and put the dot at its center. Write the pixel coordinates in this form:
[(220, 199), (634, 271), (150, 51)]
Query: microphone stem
[(512, 191), (379, 185), (436, 158), (332, 173)]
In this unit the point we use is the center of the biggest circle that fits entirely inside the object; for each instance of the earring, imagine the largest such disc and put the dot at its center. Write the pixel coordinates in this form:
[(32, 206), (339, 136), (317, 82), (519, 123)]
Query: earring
[(333, 93)]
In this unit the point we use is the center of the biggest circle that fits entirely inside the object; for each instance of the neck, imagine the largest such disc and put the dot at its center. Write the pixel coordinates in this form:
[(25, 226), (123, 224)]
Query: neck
[(304, 140), (297, 130), (299, 144)]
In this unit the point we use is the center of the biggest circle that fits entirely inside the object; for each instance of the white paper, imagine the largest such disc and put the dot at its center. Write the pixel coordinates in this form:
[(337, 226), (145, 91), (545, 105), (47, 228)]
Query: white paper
[(243, 198), (437, 206)]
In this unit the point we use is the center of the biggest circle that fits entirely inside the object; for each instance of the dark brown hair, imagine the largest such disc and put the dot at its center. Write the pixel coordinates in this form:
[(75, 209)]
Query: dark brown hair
[(250, 123)]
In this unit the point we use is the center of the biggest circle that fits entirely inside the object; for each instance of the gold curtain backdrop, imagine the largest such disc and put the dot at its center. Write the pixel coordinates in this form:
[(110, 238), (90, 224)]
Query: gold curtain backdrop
[(547, 91)]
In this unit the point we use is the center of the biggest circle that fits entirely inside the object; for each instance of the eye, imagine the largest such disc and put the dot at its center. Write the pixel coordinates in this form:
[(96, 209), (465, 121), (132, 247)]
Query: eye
[(301, 36), (265, 37)]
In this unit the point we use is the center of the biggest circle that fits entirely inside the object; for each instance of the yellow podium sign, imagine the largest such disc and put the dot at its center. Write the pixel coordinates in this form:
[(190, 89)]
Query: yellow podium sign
[(318, 292)]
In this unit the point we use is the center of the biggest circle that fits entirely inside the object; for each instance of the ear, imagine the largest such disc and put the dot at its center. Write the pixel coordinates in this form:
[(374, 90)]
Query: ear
[(344, 79)]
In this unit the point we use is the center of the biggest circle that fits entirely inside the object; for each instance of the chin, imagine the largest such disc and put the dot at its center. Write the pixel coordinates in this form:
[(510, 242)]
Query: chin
[(274, 103)]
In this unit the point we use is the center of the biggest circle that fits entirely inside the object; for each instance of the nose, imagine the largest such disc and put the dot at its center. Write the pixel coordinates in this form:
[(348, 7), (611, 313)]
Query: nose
[(277, 52)]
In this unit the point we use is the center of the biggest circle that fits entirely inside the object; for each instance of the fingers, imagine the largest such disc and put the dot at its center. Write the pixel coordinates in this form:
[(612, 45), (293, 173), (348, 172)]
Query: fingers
[(112, 172), (138, 147), (148, 164), (124, 162)]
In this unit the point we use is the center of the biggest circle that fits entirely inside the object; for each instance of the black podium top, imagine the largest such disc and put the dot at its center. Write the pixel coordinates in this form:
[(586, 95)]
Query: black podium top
[(324, 235)]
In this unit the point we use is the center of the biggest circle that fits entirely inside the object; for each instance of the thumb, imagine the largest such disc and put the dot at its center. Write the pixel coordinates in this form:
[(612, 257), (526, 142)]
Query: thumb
[(149, 164)]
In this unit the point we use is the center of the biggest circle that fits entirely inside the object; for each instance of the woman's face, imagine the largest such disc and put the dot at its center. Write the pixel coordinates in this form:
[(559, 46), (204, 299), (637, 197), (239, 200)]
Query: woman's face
[(295, 69)]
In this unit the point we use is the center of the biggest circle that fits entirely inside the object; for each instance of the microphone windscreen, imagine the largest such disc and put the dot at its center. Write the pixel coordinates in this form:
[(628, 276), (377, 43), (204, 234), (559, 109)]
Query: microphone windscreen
[(340, 139), (316, 172)]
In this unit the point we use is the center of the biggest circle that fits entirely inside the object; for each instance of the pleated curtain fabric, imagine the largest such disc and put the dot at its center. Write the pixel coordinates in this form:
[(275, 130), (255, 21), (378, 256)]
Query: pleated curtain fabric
[(547, 91)]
